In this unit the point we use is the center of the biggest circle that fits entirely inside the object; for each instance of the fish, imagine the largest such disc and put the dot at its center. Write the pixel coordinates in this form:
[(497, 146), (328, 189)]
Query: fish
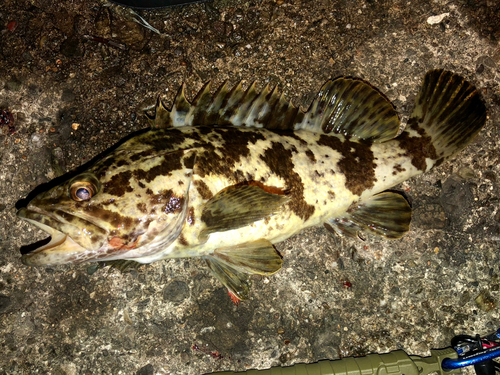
[(228, 175)]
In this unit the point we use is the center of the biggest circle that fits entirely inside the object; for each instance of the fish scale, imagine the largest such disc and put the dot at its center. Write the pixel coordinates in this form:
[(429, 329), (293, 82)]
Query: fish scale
[(227, 176)]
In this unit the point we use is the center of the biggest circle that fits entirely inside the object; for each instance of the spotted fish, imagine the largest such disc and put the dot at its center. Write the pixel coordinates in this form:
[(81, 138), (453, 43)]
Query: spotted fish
[(228, 175)]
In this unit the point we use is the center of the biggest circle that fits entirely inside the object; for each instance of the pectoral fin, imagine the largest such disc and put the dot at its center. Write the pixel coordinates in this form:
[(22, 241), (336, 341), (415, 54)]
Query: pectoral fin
[(232, 265), (386, 214), (237, 207)]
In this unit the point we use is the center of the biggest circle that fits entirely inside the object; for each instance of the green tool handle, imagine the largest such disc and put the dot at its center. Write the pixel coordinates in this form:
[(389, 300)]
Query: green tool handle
[(393, 363)]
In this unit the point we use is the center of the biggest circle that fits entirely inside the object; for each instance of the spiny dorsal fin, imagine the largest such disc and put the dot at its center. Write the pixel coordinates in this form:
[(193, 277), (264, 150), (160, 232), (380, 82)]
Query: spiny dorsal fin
[(181, 107), (200, 104), (344, 106), (161, 118)]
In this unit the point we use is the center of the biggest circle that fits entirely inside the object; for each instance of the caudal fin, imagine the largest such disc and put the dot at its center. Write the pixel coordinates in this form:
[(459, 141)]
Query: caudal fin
[(448, 114)]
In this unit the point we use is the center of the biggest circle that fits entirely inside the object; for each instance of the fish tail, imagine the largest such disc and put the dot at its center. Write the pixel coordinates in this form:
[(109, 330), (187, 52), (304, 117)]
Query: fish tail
[(448, 114)]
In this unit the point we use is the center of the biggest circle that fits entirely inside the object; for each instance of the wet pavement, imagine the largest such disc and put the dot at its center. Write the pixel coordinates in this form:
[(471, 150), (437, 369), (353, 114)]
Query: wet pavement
[(76, 76)]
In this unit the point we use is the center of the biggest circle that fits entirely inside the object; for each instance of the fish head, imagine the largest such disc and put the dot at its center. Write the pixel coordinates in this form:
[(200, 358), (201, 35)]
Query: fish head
[(131, 204)]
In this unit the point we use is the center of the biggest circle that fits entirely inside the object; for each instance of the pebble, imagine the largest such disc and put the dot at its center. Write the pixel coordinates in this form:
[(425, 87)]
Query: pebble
[(466, 173), (146, 370), (176, 291), (36, 140), (429, 216), (4, 303), (485, 301), (433, 20)]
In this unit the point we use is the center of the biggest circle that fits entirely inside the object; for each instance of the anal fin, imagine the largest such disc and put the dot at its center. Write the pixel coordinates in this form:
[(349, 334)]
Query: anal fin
[(386, 214), (232, 265)]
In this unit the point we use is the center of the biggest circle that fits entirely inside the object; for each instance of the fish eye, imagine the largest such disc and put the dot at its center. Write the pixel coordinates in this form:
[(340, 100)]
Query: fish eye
[(82, 190), (83, 193)]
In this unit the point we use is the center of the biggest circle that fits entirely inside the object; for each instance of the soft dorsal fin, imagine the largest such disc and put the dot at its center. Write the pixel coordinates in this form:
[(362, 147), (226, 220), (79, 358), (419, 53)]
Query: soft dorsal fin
[(344, 106), (354, 109)]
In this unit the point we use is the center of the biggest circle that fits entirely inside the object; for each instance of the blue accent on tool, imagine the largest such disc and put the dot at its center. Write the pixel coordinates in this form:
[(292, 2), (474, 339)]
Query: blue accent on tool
[(471, 359)]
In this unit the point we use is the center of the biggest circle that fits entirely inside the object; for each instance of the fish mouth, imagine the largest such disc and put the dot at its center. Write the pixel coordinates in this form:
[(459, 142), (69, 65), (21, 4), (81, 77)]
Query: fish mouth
[(58, 248)]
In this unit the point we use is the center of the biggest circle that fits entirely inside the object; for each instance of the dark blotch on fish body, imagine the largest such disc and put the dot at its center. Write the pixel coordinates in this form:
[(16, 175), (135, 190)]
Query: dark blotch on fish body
[(167, 165), (417, 148), (311, 156), (203, 189), (119, 184), (357, 163), (114, 218), (235, 146), (279, 161)]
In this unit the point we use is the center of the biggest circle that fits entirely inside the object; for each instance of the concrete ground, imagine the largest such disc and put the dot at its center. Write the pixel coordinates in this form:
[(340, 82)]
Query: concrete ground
[(72, 95)]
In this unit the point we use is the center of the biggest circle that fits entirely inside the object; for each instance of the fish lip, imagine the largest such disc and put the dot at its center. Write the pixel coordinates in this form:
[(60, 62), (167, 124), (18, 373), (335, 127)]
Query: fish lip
[(50, 253), (28, 214), (57, 237)]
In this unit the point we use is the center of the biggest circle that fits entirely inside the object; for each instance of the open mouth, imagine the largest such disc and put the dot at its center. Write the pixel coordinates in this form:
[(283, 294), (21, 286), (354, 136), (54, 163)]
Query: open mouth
[(59, 248), (26, 249), (55, 238)]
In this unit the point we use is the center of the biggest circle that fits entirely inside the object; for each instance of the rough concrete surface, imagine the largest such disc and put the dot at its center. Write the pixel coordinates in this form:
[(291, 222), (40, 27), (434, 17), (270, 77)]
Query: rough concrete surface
[(71, 96)]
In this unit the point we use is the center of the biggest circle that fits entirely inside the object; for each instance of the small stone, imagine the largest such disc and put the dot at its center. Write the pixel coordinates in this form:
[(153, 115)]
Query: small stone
[(429, 216), (4, 303), (13, 85), (176, 291), (433, 20), (466, 173), (67, 95), (490, 175), (146, 370), (36, 140), (456, 199), (486, 61), (27, 56), (485, 301), (71, 48)]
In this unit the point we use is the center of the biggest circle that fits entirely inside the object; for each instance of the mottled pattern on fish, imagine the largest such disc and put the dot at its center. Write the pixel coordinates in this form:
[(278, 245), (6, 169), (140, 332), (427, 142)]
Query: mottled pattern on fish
[(228, 175)]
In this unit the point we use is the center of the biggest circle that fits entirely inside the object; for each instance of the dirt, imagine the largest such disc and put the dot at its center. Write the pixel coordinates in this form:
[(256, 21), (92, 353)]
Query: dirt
[(76, 76)]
